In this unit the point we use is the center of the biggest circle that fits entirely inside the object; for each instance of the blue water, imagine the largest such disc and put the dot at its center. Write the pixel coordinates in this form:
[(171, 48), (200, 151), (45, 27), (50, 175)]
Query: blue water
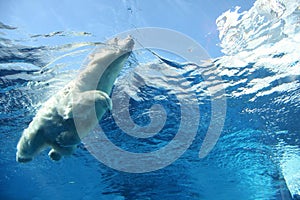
[(256, 156)]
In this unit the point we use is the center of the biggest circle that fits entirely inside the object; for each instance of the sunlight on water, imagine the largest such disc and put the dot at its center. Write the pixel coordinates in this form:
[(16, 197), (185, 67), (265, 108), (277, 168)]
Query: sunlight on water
[(256, 157), (290, 165)]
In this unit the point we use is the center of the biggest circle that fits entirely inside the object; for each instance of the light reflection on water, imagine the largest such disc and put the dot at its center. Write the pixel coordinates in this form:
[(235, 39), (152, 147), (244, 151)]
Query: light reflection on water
[(257, 156)]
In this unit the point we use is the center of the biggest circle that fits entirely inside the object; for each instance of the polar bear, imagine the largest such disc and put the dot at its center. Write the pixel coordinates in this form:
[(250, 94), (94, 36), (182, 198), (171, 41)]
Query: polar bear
[(54, 123)]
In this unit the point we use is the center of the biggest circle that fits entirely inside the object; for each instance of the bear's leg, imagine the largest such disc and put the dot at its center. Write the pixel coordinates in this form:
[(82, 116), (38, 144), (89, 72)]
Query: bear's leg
[(57, 152), (66, 139)]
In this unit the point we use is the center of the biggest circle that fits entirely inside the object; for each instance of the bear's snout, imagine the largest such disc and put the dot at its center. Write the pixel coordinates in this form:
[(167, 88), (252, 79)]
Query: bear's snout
[(22, 159)]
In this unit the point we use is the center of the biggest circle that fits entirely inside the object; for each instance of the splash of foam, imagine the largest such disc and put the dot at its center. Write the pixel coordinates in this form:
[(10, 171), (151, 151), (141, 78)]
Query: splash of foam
[(266, 23), (267, 37)]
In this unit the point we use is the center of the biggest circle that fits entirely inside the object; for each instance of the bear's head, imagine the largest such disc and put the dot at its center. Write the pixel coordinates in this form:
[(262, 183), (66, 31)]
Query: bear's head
[(29, 145)]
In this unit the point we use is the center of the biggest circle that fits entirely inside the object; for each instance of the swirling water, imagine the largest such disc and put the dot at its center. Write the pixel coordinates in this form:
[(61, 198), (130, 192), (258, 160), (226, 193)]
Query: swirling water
[(256, 157)]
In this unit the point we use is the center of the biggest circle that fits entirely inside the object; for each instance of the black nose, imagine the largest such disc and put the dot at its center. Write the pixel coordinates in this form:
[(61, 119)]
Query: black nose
[(23, 160)]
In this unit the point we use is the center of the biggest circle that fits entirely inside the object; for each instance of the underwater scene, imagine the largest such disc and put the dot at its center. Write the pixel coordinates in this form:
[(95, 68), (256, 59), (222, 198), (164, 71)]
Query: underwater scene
[(150, 99)]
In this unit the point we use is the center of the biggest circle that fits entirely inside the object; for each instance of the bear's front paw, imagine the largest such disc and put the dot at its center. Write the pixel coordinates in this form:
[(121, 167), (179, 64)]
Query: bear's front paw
[(54, 155)]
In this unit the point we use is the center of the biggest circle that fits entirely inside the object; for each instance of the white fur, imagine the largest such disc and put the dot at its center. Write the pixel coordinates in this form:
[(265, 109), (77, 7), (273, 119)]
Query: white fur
[(54, 123)]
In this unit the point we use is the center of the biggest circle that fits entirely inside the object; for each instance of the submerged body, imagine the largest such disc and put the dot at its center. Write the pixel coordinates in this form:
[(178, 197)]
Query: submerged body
[(54, 124)]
